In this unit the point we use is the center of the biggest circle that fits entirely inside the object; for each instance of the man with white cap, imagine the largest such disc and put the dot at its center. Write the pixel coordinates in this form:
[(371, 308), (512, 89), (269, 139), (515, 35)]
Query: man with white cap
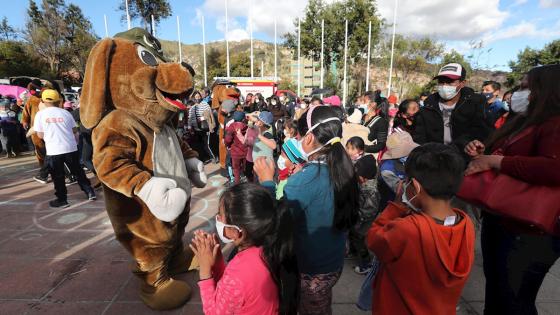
[(454, 114)]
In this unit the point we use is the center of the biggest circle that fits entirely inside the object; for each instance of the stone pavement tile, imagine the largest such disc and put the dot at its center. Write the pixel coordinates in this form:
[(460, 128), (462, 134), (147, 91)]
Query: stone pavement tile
[(130, 293), (15, 220), (552, 308), (28, 244), (347, 309), (74, 244), (33, 278), (95, 281), (555, 270), (192, 308), (137, 308), (14, 307), (475, 287), (550, 289), (89, 308), (472, 308), (347, 289)]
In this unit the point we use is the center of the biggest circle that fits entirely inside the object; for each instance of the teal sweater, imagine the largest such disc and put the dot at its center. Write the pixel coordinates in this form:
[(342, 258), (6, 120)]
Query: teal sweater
[(310, 196)]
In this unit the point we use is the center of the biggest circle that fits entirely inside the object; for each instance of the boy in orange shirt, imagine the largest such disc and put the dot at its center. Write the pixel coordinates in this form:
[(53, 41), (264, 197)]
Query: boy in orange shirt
[(426, 247)]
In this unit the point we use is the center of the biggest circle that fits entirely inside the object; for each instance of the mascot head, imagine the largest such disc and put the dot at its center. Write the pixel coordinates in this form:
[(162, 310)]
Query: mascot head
[(223, 90), (129, 72)]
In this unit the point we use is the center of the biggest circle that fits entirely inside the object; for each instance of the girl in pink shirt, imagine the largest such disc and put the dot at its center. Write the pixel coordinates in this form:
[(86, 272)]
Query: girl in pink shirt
[(262, 233)]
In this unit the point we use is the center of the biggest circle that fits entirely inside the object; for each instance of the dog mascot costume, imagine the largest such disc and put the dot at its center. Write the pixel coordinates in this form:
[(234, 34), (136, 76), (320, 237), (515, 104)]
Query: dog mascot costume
[(129, 99), (222, 90)]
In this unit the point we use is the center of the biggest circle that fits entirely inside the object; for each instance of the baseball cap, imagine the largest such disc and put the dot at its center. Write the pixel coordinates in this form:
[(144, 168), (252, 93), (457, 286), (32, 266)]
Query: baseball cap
[(50, 96), (267, 118), (452, 71), (144, 38), (238, 116)]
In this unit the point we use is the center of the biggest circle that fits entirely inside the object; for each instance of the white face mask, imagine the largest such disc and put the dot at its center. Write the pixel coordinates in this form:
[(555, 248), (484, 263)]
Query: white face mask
[(447, 92), (281, 163), (220, 226), (273, 102), (520, 101), (303, 106), (407, 201)]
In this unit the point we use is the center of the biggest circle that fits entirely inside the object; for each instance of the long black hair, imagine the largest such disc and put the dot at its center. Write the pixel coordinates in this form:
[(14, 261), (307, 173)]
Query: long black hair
[(544, 103), (341, 170), (267, 224)]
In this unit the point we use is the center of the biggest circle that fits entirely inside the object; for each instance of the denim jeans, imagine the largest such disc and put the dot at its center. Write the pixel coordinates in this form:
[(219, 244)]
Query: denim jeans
[(515, 265)]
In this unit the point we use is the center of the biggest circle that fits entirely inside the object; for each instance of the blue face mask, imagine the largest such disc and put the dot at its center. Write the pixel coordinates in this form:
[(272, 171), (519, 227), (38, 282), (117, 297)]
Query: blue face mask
[(488, 96), (407, 201)]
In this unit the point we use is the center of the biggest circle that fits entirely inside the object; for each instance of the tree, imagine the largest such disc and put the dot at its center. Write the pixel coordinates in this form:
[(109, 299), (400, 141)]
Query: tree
[(15, 60), (6, 31), (240, 65), (80, 38), (529, 58), (145, 9), (358, 13), (216, 63)]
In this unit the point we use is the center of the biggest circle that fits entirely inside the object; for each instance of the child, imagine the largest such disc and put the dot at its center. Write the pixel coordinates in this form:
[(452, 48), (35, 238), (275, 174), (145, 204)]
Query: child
[(425, 247), (8, 129), (57, 128), (290, 129), (366, 170), (262, 278), (228, 107), (289, 162), (323, 197), (235, 136), (264, 143), (355, 148)]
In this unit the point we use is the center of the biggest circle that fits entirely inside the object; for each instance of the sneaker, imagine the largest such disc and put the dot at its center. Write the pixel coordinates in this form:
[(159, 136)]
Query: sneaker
[(91, 195), (58, 203), (208, 161), (362, 270), (70, 181), (42, 180)]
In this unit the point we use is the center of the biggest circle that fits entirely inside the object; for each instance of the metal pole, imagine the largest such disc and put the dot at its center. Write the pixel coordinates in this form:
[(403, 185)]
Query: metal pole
[(251, 34), (393, 47), (127, 15), (344, 88), (227, 42), (153, 26), (179, 39), (299, 58), (204, 52), (368, 56), (262, 69), (106, 28), (322, 50), (275, 54)]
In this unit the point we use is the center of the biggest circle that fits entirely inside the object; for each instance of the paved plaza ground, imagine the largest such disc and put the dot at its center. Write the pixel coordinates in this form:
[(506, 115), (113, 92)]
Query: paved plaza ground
[(66, 261)]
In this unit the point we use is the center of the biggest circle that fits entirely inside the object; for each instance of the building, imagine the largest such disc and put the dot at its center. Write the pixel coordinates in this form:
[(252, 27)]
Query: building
[(310, 75)]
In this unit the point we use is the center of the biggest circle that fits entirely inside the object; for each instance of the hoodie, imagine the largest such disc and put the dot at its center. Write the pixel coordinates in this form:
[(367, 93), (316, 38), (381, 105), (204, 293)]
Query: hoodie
[(237, 148), (424, 265)]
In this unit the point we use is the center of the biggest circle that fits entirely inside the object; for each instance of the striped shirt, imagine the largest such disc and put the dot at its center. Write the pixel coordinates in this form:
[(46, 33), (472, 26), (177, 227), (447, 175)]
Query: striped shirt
[(200, 108)]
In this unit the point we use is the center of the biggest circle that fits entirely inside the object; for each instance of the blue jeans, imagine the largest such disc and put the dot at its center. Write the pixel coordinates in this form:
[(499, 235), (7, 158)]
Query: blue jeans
[(515, 265)]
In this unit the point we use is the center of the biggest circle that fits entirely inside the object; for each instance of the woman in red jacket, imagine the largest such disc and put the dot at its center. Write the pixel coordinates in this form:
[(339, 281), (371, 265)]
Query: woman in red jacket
[(516, 259)]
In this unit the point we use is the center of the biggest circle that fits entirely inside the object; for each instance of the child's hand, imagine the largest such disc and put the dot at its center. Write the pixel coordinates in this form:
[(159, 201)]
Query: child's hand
[(474, 148), (206, 248), (264, 168)]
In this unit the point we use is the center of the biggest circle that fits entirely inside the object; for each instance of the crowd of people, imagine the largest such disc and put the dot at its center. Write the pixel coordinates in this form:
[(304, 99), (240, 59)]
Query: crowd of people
[(311, 183)]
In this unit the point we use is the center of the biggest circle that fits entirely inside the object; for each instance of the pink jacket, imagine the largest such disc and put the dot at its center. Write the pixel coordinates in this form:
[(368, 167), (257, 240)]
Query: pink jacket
[(244, 286)]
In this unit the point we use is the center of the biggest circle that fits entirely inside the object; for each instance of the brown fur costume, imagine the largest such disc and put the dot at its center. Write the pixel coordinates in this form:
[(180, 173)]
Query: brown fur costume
[(222, 91), (130, 104)]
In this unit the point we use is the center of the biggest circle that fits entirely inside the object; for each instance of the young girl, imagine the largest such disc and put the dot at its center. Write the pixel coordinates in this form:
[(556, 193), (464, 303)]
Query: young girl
[(289, 162), (262, 278), (323, 197)]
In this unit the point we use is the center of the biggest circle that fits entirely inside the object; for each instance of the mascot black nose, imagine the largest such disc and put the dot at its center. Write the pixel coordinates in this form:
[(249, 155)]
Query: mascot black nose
[(189, 67)]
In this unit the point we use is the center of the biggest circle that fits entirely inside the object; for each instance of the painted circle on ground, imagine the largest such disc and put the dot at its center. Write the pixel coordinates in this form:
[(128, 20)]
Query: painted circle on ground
[(29, 236), (71, 218)]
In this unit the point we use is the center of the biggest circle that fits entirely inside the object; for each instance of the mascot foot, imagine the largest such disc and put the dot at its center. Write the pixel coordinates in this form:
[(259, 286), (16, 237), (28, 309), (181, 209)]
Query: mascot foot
[(182, 262), (168, 294)]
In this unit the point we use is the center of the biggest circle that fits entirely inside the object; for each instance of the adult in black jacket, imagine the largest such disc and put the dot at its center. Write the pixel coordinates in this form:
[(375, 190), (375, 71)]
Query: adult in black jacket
[(377, 123), (461, 105)]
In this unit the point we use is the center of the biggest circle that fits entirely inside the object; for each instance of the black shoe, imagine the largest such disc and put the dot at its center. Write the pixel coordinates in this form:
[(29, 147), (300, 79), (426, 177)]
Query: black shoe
[(91, 195), (42, 180), (58, 203)]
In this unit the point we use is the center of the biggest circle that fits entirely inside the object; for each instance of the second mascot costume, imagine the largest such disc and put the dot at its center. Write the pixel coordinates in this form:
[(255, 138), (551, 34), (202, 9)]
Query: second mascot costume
[(129, 99)]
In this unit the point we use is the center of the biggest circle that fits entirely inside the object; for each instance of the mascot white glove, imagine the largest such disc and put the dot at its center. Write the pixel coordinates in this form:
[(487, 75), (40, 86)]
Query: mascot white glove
[(195, 168), (163, 198)]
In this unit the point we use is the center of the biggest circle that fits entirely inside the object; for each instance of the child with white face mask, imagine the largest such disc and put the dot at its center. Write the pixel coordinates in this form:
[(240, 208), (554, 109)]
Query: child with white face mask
[(261, 279)]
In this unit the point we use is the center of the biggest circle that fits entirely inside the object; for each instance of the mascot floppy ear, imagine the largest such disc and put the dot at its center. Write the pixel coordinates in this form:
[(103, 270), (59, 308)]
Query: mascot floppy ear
[(95, 90)]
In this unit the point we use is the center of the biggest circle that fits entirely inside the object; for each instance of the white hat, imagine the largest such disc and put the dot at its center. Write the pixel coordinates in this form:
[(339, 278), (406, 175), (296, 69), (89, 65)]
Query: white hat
[(452, 71), (399, 144), (356, 117)]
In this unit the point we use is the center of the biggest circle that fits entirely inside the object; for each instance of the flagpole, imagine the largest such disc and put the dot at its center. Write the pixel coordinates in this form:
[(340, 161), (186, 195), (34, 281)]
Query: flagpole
[(322, 50), (227, 42), (106, 28), (179, 39), (393, 47), (299, 58), (251, 33), (345, 88), (275, 54), (127, 15), (153, 26), (262, 69), (204, 52), (368, 56)]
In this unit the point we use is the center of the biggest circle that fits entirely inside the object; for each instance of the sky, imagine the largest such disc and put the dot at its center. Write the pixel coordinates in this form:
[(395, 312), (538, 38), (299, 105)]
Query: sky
[(504, 26)]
